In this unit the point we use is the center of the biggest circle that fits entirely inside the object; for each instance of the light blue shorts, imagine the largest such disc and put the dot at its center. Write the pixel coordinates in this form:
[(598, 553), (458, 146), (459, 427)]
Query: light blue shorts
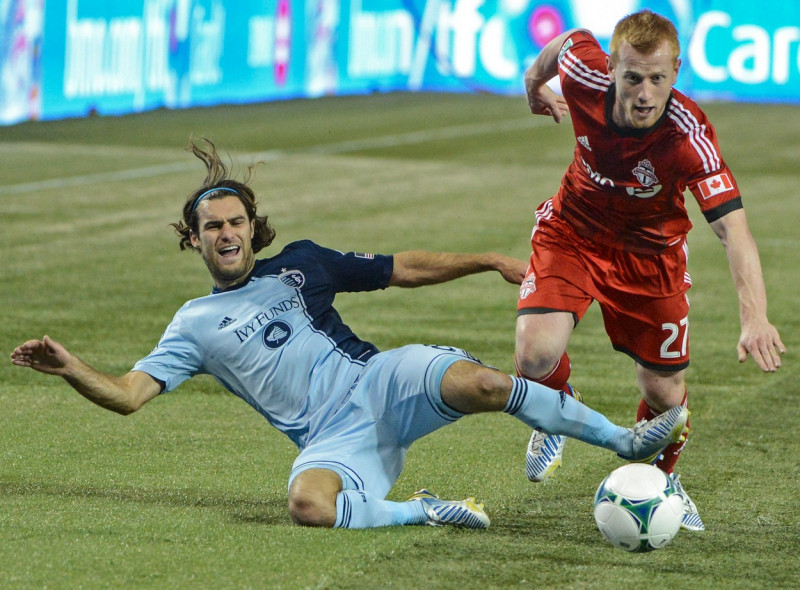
[(396, 401)]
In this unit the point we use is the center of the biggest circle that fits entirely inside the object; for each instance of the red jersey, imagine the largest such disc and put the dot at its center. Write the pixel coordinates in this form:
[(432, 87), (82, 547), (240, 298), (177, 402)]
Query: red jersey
[(625, 187)]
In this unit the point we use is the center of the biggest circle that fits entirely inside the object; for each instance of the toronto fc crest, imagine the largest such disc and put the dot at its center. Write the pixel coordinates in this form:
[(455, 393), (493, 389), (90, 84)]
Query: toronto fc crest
[(645, 173)]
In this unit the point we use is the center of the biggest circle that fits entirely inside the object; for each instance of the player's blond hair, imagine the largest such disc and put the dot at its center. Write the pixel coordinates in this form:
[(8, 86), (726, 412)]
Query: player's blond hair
[(218, 184), (645, 30)]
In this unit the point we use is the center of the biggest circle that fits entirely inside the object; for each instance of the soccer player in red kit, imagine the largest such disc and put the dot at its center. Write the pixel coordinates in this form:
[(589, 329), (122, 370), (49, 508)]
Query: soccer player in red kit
[(616, 230)]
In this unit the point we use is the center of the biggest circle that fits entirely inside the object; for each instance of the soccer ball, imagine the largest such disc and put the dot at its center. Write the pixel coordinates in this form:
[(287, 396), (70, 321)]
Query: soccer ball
[(638, 508)]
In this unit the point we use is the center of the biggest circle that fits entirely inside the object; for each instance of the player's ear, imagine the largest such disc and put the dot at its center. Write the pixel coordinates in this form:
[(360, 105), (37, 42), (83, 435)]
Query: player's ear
[(194, 239)]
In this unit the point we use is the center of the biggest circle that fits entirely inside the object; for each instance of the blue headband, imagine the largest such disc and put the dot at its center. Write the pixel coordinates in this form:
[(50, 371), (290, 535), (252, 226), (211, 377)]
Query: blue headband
[(212, 190)]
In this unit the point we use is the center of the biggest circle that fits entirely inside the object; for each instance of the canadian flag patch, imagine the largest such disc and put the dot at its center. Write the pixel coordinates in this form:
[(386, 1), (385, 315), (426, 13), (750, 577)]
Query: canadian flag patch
[(715, 185)]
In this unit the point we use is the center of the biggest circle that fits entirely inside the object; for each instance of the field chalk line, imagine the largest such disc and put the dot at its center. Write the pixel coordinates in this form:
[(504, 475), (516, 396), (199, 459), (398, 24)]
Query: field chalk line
[(342, 147)]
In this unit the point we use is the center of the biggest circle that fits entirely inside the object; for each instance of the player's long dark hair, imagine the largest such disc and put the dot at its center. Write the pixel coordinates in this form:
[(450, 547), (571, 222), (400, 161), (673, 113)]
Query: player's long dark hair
[(217, 177)]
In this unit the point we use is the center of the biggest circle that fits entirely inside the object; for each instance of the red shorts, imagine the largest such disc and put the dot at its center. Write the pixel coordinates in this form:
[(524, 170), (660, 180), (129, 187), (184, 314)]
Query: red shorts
[(642, 297)]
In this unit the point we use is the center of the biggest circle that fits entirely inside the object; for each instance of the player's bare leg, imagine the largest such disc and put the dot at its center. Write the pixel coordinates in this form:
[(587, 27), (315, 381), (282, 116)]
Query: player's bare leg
[(541, 338), (661, 390), (316, 499), (469, 387)]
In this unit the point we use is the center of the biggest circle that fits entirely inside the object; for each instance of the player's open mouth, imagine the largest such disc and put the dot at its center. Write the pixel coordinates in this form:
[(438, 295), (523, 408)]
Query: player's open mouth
[(645, 111), (228, 251)]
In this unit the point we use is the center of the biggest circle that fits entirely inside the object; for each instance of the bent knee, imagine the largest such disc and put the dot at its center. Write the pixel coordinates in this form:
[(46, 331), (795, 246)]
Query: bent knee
[(535, 363), (312, 498), (306, 512), (312, 510), (541, 341)]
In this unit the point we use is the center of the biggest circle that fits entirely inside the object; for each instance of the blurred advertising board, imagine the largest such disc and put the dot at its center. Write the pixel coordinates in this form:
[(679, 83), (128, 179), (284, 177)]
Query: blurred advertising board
[(67, 58)]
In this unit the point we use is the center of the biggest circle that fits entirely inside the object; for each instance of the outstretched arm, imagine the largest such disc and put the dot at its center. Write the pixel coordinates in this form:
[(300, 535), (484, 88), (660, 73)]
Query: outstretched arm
[(759, 338), (417, 268), (123, 395), (541, 99)]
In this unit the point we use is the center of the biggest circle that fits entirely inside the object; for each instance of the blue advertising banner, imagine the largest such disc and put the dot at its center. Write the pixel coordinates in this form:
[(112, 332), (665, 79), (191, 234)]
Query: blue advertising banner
[(66, 58), (739, 53)]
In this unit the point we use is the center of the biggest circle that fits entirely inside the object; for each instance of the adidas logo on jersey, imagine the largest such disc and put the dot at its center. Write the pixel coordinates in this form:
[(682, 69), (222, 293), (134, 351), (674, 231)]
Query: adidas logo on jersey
[(584, 141), (226, 321)]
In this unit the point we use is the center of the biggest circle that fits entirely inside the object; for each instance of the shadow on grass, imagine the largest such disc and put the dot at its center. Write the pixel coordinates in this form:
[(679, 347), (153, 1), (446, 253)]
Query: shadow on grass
[(270, 510)]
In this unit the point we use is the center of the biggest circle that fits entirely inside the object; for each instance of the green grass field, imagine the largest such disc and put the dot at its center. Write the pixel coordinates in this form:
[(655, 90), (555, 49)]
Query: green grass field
[(190, 492)]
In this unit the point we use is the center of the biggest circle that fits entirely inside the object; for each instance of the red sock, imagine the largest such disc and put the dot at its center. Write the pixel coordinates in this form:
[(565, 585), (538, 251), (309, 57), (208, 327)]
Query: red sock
[(672, 453), (557, 377)]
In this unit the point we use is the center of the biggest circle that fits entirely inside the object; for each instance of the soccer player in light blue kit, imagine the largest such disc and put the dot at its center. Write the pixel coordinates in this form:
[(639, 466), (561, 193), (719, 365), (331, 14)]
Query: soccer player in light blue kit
[(269, 334)]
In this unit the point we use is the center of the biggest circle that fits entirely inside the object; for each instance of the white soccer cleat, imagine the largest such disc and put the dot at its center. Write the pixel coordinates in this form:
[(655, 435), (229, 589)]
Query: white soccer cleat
[(544, 455), (691, 518), (461, 513), (650, 437), (546, 450)]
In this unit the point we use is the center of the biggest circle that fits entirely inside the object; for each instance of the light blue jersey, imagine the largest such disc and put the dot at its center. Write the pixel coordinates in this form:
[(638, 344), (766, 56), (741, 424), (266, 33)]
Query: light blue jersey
[(276, 341)]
